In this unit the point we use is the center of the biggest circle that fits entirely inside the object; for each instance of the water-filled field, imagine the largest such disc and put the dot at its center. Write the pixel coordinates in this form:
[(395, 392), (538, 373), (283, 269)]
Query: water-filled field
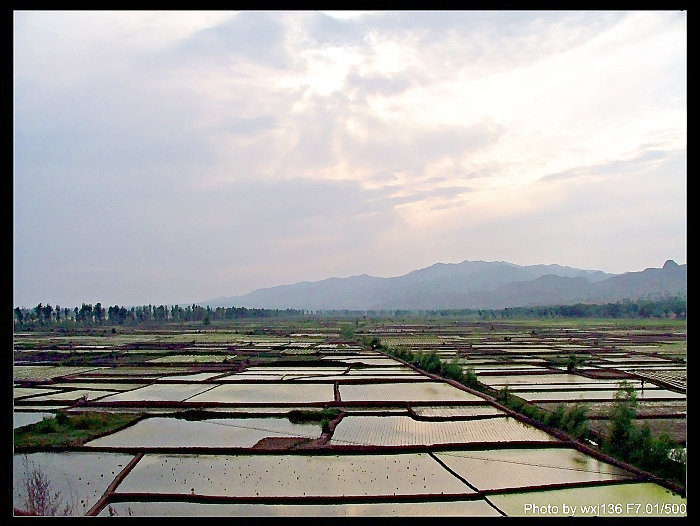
[(267, 393), (292, 475), (520, 468), (454, 508), (215, 432), (298, 423), (405, 431), (78, 478), (413, 392)]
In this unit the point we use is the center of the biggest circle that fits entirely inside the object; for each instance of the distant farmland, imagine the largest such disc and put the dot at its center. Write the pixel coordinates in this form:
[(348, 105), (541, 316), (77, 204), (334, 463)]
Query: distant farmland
[(325, 417)]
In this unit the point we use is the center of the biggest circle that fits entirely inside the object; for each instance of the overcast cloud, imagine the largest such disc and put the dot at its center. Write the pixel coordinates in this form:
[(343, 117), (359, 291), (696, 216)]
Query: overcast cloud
[(175, 157)]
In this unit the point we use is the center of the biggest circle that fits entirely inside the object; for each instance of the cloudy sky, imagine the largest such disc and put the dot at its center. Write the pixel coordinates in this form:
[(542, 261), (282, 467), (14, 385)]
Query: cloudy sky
[(175, 157)]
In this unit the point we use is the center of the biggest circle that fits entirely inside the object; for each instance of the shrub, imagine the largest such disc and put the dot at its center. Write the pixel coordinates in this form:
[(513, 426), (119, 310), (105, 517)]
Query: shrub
[(453, 370), (556, 418), (62, 418), (88, 421), (622, 413), (47, 425), (504, 395), (470, 378), (576, 419)]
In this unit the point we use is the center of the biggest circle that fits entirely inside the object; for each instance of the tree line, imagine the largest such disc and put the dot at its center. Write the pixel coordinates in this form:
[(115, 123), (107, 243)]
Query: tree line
[(90, 315), (671, 307)]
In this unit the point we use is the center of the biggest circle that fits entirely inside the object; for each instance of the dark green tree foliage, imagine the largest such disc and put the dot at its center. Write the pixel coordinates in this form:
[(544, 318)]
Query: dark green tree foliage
[(98, 313), (572, 363), (470, 378), (575, 422), (636, 444), (347, 332), (621, 418), (661, 308), (89, 315), (556, 417)]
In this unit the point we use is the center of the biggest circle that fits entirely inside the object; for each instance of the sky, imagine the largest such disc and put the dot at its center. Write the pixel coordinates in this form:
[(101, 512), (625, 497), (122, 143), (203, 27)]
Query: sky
[(166, 157)]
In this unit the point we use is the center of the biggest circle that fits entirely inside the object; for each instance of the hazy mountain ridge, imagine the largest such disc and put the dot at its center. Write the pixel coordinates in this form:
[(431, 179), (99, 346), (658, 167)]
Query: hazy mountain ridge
[(469, 284)]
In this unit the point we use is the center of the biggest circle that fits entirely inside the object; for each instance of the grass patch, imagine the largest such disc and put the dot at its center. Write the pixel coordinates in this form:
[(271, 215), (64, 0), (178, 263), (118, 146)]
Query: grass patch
[(321, 417), (66, 430)]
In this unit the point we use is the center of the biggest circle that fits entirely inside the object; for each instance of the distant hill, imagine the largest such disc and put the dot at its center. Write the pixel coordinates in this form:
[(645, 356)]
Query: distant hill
[(469, 284)]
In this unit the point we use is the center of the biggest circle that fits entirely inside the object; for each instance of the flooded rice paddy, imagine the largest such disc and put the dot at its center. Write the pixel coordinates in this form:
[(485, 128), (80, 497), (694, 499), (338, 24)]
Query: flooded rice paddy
[(455, 508), (305, 424), (293, 476), (161, 432), (406, 431)]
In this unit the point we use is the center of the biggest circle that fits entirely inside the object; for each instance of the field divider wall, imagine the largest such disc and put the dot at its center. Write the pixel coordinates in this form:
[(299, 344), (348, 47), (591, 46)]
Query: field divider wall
[(104, 500)]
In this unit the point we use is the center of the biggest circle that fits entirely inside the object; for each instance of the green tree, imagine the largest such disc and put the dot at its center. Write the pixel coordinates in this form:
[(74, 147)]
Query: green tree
[(621, 417), (99, 312)]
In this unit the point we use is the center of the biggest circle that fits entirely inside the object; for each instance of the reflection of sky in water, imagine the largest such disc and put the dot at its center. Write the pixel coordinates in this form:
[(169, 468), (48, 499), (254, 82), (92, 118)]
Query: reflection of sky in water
[(25, 418), (216, 432), (598, 395), (637, 493), (292, 475), (80, 478), (404, 431), (517, 468), (268, 393), (476, 508)]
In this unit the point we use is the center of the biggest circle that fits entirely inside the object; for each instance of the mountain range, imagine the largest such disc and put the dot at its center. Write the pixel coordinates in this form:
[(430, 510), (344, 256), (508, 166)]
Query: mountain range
[(469, 284)]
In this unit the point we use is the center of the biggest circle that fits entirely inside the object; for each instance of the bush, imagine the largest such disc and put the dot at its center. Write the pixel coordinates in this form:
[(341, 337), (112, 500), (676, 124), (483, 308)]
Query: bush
[(301, 416), (87, 421), (453, 370), (430, 362), (62, 418), (504, 395), (556, 418), (621, 428), (47, 425), (636, 445), (470, 378), (576, 420)]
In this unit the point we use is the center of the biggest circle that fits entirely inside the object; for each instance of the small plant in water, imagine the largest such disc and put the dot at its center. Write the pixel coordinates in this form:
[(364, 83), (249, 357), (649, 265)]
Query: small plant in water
[(113, 512), (39, 497)]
